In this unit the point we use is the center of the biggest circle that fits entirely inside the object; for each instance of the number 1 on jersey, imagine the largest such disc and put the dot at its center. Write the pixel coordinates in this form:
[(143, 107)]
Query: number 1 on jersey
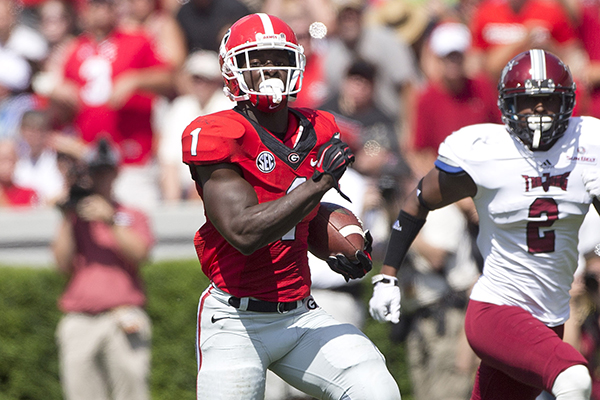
[(291, 235), (195, 133)]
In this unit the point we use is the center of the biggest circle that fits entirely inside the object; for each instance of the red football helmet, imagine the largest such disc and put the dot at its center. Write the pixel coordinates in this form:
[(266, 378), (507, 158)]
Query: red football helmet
[(260, 32), (536, 73)]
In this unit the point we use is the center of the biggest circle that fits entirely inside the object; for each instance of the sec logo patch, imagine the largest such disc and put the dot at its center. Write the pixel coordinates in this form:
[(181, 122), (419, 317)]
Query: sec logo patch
[(265, 162)]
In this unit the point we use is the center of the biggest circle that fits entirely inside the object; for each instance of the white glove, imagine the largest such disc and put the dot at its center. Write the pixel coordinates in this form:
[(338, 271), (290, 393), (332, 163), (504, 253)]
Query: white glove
[(385, 302), (591, 180)]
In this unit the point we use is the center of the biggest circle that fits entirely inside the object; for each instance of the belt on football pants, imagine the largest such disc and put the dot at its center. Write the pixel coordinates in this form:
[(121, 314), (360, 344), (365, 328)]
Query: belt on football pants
[(248, 304)]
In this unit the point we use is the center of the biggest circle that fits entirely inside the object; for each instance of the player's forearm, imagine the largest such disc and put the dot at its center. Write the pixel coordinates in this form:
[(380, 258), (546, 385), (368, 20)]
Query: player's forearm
[(264, 223), (404, 231), (388, 270)]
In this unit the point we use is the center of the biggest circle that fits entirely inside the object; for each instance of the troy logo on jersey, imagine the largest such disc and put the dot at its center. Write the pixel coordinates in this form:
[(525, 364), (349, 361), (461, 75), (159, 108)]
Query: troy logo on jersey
[(545, 181)]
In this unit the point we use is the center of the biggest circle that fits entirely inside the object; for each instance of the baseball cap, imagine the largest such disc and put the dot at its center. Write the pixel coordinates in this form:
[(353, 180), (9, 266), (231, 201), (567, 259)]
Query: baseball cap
[(102, 154), (15, 72), (364, 69), (203, 63), (450, 37)]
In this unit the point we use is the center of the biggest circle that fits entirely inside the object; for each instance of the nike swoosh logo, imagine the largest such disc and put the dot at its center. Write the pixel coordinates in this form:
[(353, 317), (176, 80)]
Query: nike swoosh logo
[(213, 319), (313, 162)]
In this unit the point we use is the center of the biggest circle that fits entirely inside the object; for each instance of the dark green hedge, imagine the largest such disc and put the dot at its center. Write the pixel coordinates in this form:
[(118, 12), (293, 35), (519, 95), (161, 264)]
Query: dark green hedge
[(28, 318)]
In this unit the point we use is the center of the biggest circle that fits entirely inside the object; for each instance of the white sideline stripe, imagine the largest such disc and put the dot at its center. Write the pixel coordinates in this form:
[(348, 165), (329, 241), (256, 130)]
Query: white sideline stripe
[(266, 21), (350, 229)]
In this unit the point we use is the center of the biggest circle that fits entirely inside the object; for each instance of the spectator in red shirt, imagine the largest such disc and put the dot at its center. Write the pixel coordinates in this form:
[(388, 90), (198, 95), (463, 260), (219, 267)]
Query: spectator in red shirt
[(459, 100), (162, 27), (504, 28), (104, 336), (109, 78), (12, 195)]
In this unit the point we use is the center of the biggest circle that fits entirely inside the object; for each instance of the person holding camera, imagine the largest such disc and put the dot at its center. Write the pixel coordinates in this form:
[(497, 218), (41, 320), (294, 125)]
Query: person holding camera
[(104, 336)]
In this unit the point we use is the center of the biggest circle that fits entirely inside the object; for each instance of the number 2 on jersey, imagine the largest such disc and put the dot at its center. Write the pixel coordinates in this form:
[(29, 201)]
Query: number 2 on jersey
[(537, 242)]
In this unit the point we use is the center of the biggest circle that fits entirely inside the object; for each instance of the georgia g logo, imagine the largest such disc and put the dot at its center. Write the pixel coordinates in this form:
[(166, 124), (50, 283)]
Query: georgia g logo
[(265, 162)]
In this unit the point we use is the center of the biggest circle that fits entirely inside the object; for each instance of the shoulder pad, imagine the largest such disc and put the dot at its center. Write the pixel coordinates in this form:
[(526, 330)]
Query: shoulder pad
[(479, 142), (211, 139), (323, 122)]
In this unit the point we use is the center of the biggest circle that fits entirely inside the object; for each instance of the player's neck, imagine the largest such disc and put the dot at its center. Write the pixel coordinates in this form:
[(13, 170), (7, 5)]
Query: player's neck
[(276, 122)]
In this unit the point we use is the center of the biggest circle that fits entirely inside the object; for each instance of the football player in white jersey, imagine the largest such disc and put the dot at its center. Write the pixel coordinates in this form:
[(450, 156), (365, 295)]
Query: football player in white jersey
[(532, 180)]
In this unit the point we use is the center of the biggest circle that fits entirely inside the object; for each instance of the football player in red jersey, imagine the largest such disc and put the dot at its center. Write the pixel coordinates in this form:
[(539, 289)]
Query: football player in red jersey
[(532, 180), (261, 169)]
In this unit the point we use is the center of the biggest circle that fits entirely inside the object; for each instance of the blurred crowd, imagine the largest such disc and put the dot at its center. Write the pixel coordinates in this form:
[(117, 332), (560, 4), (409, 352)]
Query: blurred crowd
[(399, 76)]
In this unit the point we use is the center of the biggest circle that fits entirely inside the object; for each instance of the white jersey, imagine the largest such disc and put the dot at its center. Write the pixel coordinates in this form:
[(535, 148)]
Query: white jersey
[(530, 205)]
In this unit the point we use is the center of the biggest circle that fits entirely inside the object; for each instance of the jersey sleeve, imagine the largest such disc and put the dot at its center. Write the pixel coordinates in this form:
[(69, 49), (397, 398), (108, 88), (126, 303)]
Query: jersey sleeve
[(450, 153), (210, 140), (328, 116), (464, 149)]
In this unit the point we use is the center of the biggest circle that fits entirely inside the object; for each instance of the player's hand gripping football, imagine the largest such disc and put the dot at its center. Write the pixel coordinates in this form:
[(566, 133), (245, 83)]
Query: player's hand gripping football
[(333, 159), (591, 180), (385, 302), (354, 269)]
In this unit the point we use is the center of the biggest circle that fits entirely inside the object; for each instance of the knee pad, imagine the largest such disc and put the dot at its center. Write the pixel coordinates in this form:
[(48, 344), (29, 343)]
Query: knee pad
[(574, 383)]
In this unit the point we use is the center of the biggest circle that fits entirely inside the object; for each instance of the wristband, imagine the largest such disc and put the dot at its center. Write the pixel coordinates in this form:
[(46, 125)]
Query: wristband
[(384, 279), (404, 232)]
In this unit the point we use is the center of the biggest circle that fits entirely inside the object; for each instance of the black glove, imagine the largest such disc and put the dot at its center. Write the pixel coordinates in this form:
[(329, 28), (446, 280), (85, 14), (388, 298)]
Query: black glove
[(351, 269), (368, 243), (333, 159), (354, 269)]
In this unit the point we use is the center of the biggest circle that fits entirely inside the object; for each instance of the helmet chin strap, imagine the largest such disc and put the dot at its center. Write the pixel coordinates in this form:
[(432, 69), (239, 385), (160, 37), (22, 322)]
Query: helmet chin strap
[(272, 87), (538, 124)]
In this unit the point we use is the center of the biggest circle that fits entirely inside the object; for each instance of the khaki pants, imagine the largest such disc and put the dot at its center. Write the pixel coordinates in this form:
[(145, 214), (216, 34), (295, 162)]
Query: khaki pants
[(99, 361)]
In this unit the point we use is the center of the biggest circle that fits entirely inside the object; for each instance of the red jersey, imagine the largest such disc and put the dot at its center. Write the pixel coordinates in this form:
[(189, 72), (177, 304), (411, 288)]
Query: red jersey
[(495, 23), (477, 104), (278, 271), (101, 279), (94, 67), (18, 196)]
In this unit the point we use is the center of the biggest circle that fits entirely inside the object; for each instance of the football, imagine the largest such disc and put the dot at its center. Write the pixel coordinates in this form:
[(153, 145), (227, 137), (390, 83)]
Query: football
[(335, 230)]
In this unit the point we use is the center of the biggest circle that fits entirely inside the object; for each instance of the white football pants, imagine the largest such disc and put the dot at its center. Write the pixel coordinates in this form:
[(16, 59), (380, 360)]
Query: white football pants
[(306, 347)]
